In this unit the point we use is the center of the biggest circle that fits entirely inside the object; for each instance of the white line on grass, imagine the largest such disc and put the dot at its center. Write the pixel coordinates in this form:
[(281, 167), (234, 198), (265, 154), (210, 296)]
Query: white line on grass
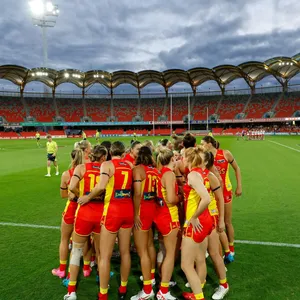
[(282, 145), (237, 241), (29, 225)]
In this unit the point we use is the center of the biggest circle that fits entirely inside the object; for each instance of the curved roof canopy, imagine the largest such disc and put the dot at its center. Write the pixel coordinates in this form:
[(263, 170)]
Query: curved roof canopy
[(282, 68)]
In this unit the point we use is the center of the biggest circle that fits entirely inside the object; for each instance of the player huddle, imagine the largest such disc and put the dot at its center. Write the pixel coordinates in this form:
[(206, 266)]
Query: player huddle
[(180, 189)]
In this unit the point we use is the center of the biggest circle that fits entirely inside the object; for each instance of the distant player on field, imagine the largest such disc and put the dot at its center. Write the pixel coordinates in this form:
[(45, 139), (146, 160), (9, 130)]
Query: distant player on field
[(51, 155), (83, 135), (38, 136), (97, 135)]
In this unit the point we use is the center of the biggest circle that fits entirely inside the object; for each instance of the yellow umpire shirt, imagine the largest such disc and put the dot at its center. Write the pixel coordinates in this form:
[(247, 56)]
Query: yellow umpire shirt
[(51, 147)]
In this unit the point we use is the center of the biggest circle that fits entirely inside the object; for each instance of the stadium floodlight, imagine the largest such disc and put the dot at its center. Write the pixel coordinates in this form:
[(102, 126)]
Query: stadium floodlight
[(44, 15), (67, 75)]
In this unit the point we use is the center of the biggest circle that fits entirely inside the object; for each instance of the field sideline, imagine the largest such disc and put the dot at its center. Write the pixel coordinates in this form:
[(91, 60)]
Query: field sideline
[(266, 212)]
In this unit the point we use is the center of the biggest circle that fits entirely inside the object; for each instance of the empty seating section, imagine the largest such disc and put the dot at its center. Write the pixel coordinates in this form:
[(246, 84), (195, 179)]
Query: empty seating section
[(41, 109), (231, 106), (233, 131), (201, 103), (217, 130), (164, 131), (259, 105), (147, 106), (180, 108), (70, 109), (10, 134), (90, 133), (31, 134), (113, 131), (98, 109), (125, 109), (12, 109), (56, 132), (287, 106), (137, 131)]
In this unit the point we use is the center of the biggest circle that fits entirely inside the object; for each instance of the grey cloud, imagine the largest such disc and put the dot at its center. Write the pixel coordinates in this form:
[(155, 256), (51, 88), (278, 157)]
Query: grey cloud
[(137, 35)]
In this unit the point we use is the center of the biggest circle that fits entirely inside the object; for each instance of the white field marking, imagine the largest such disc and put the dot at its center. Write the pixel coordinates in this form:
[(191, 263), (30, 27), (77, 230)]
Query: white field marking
[(282, 145), (237, 241), (28, 225)]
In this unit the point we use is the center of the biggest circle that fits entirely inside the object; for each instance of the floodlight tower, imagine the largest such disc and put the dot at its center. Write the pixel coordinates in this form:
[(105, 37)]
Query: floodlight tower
[(44, 15)]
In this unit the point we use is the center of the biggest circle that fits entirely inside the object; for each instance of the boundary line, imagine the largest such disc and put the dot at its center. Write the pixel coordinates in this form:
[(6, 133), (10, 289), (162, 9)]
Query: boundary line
[(286, 245), (282, 145)]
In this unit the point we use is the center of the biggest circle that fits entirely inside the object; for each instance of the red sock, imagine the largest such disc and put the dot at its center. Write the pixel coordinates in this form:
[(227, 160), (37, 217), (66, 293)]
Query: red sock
[(93, 258), (224, 283), (147, 286), (231, 247), (122, 289), (72, 287), (227, 252), (152, 274), (164, 287), (102, 296), (86, 265), (62, 265)]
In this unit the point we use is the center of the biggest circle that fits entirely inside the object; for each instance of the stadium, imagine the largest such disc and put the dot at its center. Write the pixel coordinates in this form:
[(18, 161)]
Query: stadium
[(248, 111)]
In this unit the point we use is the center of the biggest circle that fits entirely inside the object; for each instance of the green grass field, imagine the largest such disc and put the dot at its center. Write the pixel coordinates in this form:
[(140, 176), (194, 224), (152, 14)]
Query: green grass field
[(268, 211)]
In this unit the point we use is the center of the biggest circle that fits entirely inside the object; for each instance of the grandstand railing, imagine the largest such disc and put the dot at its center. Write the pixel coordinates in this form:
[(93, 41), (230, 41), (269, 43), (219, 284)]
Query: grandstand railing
[(259, 90)]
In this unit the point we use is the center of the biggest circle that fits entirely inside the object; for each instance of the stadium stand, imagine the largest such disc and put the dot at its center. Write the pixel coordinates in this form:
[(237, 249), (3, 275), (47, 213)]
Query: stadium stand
[(56, 132), (260, 104), (231, 106), (31, 133), (125, 109), (70, 109), (150, 104), (12, 109), (10, 134), (288, 106), (114, 131), (180, 108), (41, 109), (138, 131), (98, 109), (200, 105)]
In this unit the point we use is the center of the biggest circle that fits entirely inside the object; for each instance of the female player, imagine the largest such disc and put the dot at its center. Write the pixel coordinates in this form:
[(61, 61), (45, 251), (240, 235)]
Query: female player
[(223, 158), (79, 156), (134, 149), (167, 219), (88, 215), (118, 216), (144, 197), (216, 209), (198, 224)]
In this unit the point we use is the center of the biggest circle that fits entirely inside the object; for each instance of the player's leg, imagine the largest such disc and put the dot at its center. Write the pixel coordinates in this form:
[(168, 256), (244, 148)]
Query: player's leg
[(170, 242), (107, 242), (141, 238), (56, 167), (213, 250), (192, 252), (229, 226), (66, 232), (152, 254), (87, 254), (77, 252), (124, 247)]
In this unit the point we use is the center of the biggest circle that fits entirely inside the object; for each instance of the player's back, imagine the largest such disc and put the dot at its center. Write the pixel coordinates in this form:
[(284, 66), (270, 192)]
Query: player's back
[(90, 177), (150, 183), (119, 185)]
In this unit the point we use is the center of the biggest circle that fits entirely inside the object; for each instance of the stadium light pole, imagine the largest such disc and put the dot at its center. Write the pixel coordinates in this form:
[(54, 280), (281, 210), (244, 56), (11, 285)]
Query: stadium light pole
[(44, 15)]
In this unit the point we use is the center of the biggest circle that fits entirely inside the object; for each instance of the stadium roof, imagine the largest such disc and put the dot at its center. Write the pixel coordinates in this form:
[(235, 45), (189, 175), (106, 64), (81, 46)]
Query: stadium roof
[(282, 68)]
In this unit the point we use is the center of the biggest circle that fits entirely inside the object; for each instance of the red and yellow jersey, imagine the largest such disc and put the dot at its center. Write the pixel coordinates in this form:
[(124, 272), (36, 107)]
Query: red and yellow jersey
[(163, 204), (222, 166), (212, 207), (191, 197), (129, 158), (90, 178), (118, 189), (148, 189), (71, 172)]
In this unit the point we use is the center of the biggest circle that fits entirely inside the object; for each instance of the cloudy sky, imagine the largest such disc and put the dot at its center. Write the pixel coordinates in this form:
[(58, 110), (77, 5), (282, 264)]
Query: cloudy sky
[(153, 34)]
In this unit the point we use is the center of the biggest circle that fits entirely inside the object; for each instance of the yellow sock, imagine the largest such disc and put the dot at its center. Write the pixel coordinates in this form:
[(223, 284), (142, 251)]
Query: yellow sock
[(231, 244), (103, 291), (199, 296), (72, 283), (86, 262), (48, 170), (203, 284), (124, 283), (56, 168), (63, 262)]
